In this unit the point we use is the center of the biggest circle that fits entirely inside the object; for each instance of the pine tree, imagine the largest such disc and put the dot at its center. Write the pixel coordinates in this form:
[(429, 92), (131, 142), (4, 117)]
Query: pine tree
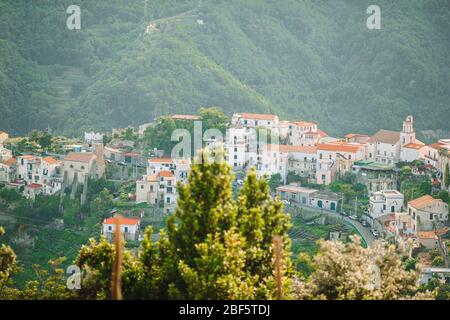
[(260, 218)]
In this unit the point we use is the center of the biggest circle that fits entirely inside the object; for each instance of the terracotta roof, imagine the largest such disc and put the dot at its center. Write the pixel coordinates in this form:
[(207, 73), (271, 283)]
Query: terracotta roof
[(422, 202), (152, 178), (352, 135), (437, 146), (34, 186), (338, 147), (431, 234), (85, 157), (50, 160), (303, 123), (185, 117), (385, 136), (322, 133), (258, 116), (28, 157), (160, 160), (10, 162), (413, 146), (131, 154), (123, 221), (166, 174), (303, 149)]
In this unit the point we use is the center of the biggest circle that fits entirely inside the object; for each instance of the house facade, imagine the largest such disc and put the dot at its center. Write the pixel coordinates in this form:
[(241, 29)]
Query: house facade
[(129, 228), (385, 202), (428, 213)]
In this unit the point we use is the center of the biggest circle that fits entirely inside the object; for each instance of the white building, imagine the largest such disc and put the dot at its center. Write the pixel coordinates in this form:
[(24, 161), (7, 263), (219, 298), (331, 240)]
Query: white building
[(273, 160), (5, 154), (128, 226), (385, 202), (412, 151), (443, 274), (253, 120), (237, 147), (428, 213), (387, 146), (304, 133), (40, 172), (93, 137), (178, 167), (159, 189), (336, 158), (302, 160), (8, 169)]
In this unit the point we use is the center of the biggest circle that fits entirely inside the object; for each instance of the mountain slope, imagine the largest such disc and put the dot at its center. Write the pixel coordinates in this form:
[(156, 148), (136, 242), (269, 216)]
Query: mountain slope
[(312, 60)]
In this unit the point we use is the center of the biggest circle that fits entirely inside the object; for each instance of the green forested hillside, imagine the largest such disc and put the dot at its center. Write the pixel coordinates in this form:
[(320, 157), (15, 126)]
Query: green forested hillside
[(302, 59)]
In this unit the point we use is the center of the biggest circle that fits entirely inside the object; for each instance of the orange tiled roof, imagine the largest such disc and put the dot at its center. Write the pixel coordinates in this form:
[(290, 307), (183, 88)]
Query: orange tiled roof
[(123, 221), (303, 123), (28, 157), (352, 135), (338, 147), (258, 116), (50, 160), (437, 146), (288, 148), (431, 234), (85, 157), (34, 185), (152, 178), (422, 202), (165, 174), (10, 162), (413, 146)]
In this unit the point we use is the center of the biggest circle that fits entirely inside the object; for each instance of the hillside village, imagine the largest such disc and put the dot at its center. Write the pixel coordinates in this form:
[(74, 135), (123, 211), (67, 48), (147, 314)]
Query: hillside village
[(305, 167)]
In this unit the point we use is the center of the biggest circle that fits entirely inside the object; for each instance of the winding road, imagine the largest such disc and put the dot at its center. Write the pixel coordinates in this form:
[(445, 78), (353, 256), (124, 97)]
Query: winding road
[(363, 231)]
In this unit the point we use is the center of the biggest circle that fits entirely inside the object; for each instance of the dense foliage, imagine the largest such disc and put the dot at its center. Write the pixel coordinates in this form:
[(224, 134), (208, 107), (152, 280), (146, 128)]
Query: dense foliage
[(314, 60)]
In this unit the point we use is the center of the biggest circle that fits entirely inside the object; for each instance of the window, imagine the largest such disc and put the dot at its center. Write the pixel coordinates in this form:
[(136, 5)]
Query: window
[(142, 186), (167, 200), (320, 156), (125, 230), (235, 157), (431, 216), (235, 149), (109, 228)]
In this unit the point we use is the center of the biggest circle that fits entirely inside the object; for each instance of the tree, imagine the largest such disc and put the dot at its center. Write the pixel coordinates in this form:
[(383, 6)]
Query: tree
[(275, 181), (217, 248), (103, 202), (8, 266), (213, 118), (349, 271), (45, 140), (260, 218)]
